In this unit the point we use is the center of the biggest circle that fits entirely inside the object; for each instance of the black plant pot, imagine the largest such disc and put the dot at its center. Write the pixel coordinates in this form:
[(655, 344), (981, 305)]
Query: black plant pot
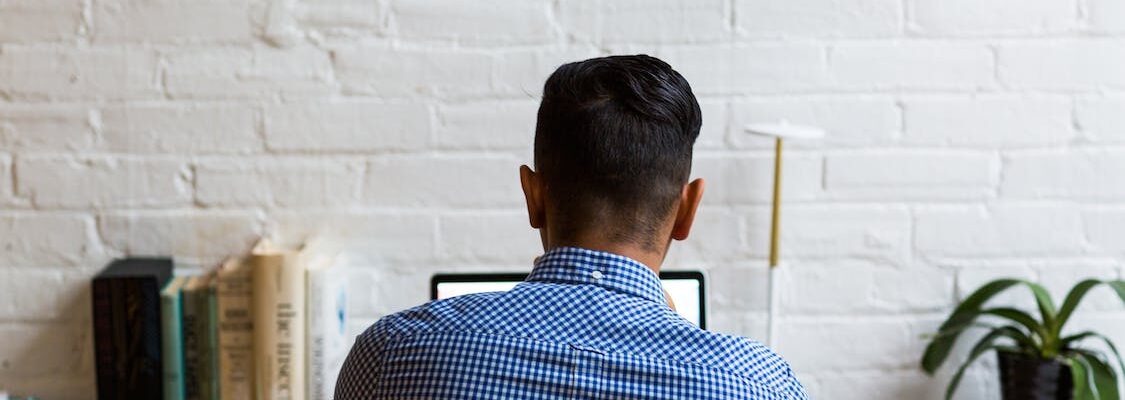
[(1023, 377)]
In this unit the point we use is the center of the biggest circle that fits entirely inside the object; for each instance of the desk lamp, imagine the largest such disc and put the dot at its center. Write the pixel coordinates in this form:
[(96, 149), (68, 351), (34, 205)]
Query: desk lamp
[(780, 132)]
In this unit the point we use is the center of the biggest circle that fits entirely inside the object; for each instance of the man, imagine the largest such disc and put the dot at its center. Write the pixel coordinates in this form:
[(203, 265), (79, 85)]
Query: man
[(610, 191)]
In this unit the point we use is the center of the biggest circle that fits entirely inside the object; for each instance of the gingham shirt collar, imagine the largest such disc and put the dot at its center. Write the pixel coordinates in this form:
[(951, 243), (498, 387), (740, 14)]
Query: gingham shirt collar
[(573, 265)]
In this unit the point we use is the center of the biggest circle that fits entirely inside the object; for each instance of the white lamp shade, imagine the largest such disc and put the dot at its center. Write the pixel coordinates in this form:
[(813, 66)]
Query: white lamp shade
[(785, 130)]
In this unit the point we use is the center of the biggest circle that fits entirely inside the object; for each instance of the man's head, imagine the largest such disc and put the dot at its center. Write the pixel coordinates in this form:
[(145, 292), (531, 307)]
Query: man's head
[(613, 148)]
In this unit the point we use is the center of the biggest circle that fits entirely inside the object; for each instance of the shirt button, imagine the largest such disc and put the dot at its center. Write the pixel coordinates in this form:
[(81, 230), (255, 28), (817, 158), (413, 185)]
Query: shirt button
[(597, 274)]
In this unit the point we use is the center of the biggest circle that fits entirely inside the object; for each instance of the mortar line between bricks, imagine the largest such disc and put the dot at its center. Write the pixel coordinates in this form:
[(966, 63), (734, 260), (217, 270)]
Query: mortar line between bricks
[(795, 94), (982, 203), (517, 155)]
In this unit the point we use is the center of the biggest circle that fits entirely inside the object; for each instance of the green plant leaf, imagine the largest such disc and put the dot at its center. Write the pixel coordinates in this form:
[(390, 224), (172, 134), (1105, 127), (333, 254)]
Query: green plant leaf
[(1085, 388), (1118, 287), (958, 330), (1073, 298), (1014, 333), (1105, 378), (937, 351), (1020, 317), (1091, 334), (1044, 301), (1068, 340), (983, 345)]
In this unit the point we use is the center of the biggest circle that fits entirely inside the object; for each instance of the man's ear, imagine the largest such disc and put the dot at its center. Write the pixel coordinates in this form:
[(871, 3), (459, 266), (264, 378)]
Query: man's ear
[(685, 215), (533, 194)]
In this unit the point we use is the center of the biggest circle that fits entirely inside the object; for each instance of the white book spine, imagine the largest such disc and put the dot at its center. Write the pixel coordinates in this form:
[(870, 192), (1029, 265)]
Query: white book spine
[(327, 338)]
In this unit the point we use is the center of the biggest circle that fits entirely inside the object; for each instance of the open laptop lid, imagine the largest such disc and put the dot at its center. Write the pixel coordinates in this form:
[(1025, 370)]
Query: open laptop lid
[(687, 288)]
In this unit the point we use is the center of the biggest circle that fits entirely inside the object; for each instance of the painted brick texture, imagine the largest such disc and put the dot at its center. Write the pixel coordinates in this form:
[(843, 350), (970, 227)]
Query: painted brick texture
[(967, 140)]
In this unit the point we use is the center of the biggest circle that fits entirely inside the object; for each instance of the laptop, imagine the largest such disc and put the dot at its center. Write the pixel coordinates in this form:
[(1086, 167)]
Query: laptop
[(688, 289)]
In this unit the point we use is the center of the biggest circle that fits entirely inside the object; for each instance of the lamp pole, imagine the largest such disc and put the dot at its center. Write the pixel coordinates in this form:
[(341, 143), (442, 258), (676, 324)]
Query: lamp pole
[(779, 132), (775, 228)]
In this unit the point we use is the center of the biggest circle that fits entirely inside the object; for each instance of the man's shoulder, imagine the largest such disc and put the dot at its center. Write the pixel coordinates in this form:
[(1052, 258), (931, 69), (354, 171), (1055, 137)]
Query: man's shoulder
[(751, 360), (735, 354), (444, 314)]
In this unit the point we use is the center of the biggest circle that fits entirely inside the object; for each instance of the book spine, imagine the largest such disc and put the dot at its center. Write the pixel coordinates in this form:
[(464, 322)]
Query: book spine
[(192, 333), (327, 326), (235, 334), (172, 334), (120, 330), (209, 376), (128, 329), (139, 365), (104, 362), (149, 355), (279, 326)]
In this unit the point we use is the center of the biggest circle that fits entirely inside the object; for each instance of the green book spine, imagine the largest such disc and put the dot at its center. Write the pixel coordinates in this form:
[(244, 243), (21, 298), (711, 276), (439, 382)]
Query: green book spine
[(211, 345), (172, 339), (200, 340), (192, 337)]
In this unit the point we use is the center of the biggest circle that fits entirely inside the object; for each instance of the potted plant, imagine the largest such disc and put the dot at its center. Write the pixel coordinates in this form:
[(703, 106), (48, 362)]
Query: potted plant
[(1037, 361)]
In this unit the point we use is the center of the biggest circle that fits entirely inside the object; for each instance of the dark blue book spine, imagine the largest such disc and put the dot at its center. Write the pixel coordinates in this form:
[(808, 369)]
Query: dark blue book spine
[(150, 365), (127, 337), (103, 338), (127, 329)]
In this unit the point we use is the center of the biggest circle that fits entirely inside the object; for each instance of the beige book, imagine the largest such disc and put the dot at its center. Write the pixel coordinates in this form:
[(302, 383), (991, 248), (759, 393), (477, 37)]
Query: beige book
[(236, 358), (278, 302)]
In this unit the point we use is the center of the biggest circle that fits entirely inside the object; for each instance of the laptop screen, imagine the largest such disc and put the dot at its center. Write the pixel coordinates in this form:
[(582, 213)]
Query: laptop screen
[(687, 289)]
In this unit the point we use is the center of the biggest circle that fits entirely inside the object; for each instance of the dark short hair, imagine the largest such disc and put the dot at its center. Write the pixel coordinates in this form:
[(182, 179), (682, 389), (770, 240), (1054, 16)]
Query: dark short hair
[(613, 143)]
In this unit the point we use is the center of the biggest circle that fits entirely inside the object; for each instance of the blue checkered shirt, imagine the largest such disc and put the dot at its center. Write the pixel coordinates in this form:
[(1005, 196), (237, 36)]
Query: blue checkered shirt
[(585, 325)]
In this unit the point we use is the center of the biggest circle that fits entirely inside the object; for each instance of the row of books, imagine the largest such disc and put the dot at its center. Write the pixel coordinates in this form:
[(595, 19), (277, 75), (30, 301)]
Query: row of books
[(267, 326)]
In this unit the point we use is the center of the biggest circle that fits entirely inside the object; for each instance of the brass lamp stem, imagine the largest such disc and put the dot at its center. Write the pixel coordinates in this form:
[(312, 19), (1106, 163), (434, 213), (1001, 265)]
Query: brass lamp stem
[(775, 223)]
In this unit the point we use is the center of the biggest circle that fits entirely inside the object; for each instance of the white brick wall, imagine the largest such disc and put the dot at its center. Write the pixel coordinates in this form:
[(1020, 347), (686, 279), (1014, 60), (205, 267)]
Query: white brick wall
[(1073, 65), (1101, 119), (485, 125), (39, 20), (156, 128), (352, 126), (74, 73), (234, 72), (968, 140), (280, 182), (1020, 230), (524, 22), (988, 121), (37, 127), (724, 69), (908, 65), (1096, 175), (910, 174), (1106, 16), (992, 17), (645, 21), (392, 72), (80, 181), (178, 21), (800, 18)]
